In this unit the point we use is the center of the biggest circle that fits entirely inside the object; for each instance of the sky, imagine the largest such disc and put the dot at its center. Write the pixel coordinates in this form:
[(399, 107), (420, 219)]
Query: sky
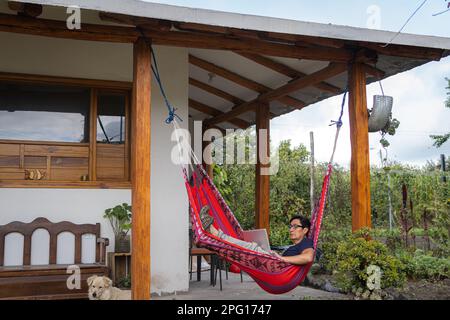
[(419, 94)]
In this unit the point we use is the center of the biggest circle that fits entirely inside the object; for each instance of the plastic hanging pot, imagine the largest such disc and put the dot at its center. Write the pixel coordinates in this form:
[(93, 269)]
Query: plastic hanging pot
[(381, 112)]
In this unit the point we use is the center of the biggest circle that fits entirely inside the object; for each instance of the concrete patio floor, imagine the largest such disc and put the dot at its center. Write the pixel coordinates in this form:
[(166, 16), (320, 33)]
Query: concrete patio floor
[(234, 289)]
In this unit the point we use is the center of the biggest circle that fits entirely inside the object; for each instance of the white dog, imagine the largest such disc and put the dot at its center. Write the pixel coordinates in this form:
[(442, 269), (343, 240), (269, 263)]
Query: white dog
[(100, 288)]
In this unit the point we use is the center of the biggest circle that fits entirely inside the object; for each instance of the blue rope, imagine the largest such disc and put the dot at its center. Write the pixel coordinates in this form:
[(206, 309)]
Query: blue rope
[(338, 123), (171, 109), (155, 70)]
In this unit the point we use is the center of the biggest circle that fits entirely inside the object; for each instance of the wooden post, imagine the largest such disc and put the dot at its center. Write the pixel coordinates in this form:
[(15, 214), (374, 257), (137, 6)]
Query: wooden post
[(359, 137), (140, 171), (262, 188), (93, 137)]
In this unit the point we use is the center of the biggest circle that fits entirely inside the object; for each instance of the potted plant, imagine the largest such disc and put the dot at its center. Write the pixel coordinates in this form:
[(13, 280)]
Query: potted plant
[(120, 219)]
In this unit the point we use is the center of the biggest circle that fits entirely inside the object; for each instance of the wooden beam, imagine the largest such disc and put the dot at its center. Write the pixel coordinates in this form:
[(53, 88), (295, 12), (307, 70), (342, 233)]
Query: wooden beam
[(287, 71), (162, 36), (158, 24), (377, 73), (295, 38), (210, 37), (405, 51), (262, 181), (215, 91), (203, 108), (303, 82), (359, 138), (221, 42), (58, 29), (32, 78), (140, 171), (242, 81), (225, 95), (189, 26), (297, 84), (26, 9)]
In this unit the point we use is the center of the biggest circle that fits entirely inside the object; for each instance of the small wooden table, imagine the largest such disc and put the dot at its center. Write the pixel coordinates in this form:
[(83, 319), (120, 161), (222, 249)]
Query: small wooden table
[(199, 252), (119, 264)]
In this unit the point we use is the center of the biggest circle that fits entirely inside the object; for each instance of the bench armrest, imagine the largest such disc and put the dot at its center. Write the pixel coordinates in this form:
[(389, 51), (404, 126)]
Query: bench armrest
[(104, 241)]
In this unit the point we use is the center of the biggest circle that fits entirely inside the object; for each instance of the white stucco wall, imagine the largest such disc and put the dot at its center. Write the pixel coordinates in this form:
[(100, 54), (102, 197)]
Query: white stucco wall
[(169, 207)]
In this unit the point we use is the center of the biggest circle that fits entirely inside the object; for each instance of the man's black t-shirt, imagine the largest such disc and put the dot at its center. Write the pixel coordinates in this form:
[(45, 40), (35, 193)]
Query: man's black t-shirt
[(298, 248)]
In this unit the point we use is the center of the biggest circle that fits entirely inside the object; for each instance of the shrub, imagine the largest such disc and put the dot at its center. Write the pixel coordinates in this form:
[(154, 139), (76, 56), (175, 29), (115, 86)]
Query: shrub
[(429, 267), (420, 265), (279, 235), (355, 254), (328, 244)]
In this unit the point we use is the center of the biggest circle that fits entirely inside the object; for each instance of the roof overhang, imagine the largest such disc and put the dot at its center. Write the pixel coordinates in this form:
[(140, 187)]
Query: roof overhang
[(240, 61)]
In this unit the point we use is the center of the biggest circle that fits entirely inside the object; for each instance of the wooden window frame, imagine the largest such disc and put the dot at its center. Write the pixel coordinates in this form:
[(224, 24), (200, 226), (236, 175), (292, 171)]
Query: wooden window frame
[(95, 86)]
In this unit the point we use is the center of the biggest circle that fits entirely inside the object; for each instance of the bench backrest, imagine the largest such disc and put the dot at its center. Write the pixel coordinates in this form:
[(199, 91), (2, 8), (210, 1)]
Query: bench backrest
[(54, 229)]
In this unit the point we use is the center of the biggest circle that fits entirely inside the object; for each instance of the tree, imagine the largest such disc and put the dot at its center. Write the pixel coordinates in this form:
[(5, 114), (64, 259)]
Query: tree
[(439, 140)]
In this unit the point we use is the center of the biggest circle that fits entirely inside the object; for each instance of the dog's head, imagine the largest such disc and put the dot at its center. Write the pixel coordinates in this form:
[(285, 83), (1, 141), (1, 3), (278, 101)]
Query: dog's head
[(99, 287)]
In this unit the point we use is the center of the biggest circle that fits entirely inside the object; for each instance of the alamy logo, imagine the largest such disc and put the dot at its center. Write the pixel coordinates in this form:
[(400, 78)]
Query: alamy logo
[(74, 280), (374, 18), (374, 277), (235, 147), (73, 21)]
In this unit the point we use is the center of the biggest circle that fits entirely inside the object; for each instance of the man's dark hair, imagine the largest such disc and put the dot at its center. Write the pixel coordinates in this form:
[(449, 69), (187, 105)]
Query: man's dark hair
[(304, 221)]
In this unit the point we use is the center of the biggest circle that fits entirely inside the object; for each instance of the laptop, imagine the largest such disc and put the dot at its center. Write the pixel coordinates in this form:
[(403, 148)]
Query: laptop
[(259, 236)]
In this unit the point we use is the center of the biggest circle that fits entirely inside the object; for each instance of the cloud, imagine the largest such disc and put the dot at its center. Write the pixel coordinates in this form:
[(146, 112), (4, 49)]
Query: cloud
[(419, 97)]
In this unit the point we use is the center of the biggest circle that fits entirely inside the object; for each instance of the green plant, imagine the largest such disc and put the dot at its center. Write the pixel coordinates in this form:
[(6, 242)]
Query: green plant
[(429, 267), (393, 239), (120, 219), (124, 282), (390, 129), (353, 257), (279, 235), (328, 242)]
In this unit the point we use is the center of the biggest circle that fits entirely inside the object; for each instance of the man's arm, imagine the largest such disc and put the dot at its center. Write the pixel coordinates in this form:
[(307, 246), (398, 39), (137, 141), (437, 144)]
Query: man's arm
[(305, 257)]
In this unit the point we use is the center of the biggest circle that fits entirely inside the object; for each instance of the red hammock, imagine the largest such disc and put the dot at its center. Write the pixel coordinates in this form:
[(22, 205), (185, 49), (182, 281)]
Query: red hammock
[(270, 273)]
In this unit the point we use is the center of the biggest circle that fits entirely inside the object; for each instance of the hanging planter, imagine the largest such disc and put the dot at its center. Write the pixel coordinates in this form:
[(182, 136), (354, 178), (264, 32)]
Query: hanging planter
[(380, 114)]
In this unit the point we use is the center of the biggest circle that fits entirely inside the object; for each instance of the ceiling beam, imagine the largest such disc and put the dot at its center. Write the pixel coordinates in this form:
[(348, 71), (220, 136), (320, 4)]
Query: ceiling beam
[(297, 84), (373, 71), (203, 108), (286, 70), (217, 92), (240, 80), (25, 9), (225, 95)]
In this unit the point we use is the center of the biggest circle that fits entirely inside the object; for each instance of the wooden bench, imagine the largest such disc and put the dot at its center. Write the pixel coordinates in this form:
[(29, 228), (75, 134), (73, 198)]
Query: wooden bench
[(49, 281)]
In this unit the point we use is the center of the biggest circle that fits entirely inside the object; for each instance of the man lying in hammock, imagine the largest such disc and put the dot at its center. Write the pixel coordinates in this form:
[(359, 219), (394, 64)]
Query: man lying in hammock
[(301, 252)]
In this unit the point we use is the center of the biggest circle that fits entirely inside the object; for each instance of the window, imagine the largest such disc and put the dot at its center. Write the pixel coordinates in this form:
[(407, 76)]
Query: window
[(44, 113), (74, 134), (111, 118)]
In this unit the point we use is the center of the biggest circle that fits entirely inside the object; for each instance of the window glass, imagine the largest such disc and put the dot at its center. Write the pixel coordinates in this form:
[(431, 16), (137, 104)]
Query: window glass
[(44, 113), (111, 118)]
